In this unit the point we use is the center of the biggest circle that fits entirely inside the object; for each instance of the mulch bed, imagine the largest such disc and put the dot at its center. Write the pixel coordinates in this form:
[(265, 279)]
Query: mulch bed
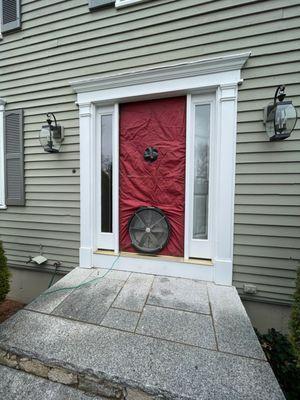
[(8, 308)]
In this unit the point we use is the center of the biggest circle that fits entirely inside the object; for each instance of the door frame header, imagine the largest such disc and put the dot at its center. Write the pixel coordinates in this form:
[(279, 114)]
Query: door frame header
[(165, 80)]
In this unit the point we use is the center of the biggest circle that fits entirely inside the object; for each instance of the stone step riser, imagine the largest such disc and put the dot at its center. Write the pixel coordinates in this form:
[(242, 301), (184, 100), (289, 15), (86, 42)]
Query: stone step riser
[(85, 382)]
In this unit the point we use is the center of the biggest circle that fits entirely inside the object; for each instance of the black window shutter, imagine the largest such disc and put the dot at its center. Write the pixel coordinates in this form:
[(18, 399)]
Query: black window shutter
[(10, 15), (14, 158), (99, 3)]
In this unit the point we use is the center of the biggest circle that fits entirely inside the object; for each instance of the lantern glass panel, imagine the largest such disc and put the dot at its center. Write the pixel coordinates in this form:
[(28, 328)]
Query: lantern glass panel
[(45, 136), (50, 142), (281, 119), (285, 118), (270, 123)]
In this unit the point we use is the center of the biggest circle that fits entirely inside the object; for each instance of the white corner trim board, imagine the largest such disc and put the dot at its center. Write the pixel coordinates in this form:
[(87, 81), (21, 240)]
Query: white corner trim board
[(2, 173), (219, 77)]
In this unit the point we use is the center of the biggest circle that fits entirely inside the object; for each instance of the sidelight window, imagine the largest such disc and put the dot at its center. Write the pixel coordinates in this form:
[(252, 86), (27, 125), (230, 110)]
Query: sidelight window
[(105, 158), (199, 169)]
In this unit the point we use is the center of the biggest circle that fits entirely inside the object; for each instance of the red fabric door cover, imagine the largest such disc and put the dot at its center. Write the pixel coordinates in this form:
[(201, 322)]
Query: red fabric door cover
[(159, 124)]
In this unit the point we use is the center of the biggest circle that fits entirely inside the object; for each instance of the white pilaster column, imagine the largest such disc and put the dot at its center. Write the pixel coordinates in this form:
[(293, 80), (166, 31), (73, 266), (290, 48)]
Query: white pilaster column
[(2, 164), (227, 111), (86, 184)]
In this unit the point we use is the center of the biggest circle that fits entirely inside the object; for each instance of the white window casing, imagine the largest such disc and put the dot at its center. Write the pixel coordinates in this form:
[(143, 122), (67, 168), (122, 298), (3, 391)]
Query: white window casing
[(211, 81), (98, 4), (124, 3), (2, 163)]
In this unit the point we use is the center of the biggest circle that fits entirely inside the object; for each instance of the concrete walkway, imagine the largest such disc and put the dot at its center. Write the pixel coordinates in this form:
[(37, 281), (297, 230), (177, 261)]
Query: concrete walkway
[(135, 336)]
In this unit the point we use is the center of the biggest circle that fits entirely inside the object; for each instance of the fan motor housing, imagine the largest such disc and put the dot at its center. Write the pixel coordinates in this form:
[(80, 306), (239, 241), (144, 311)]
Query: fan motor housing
[(149, 230)]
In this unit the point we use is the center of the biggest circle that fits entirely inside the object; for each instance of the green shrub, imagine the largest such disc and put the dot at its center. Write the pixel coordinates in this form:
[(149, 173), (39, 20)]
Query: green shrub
[(295, 320), (4, 275), (281, 356)]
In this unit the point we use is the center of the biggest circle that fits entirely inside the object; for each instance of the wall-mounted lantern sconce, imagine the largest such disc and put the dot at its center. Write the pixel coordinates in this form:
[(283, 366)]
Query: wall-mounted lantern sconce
[(280, 117), (51, 135)]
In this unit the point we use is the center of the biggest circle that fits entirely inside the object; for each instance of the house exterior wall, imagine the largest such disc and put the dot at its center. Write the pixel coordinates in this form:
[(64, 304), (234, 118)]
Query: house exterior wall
[(62, 41)]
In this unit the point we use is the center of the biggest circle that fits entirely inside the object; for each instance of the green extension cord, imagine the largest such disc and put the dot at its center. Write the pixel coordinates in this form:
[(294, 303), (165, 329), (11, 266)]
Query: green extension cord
[(53, 276), (81, 284)]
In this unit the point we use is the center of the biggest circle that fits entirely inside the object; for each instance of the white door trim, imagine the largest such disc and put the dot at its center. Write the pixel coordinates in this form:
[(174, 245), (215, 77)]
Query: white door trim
[(116, 183), (220, 75)]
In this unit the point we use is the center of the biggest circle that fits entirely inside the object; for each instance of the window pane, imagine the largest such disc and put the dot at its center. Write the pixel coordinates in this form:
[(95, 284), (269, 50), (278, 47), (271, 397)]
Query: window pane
[(201, 171), (106, 173)]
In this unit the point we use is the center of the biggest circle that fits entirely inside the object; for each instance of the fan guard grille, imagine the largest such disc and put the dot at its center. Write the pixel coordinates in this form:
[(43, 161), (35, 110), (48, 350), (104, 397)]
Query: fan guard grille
[(149, 230)]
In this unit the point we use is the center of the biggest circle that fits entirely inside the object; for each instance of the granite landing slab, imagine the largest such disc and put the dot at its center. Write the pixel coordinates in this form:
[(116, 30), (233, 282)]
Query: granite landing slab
[(180, 294), (233, 328), (134, 293), (121, 319), (179, 326), (155, 366), (91, 302), (52, 297), (18, 385)]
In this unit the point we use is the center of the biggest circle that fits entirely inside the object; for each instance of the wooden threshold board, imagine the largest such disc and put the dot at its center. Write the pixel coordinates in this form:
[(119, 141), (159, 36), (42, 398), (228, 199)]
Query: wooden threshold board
[(155, 256)]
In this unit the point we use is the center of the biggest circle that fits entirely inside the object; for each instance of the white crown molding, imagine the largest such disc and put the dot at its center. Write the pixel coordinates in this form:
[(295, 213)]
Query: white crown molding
[(166, 72)]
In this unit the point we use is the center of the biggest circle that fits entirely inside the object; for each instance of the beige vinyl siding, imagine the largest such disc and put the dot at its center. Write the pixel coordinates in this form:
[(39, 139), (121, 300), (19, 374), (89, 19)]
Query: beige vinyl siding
[(61, 41)]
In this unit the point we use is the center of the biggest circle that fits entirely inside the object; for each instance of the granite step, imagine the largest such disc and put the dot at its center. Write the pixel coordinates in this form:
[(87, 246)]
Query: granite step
[(130, 336), (119, 365), (19, 385)]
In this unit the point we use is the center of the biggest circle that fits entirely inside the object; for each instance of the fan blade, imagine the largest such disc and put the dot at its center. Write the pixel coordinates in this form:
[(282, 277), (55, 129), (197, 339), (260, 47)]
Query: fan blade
[(157, 230), (142, 221), (154, 237), (148, 216), (143, 239), (156, 222)]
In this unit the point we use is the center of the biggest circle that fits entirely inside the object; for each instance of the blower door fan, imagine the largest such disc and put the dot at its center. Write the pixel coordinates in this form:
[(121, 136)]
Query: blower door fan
[(149, 230)]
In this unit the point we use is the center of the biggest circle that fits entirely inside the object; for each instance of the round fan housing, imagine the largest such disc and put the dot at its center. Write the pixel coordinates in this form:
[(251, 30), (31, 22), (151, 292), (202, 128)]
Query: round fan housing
[(149, 230)]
